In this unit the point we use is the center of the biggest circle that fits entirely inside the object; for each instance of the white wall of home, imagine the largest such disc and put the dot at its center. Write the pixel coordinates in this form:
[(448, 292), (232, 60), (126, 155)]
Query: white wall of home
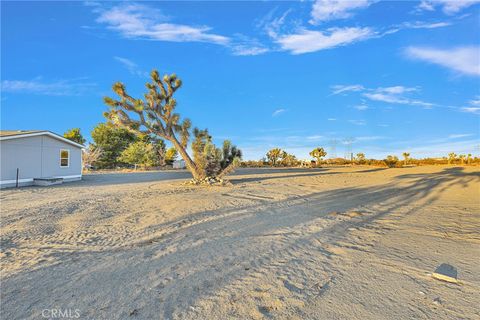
[(37, 157)]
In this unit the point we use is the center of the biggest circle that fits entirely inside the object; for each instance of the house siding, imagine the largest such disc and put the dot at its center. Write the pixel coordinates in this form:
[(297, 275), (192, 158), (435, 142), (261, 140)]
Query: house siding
[(37, 157)]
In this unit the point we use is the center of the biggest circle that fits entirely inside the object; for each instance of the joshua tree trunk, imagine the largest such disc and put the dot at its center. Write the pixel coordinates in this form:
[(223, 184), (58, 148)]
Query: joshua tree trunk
[(188, 161)]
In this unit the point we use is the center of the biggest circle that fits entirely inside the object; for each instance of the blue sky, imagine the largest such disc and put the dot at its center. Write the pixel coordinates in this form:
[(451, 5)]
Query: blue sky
[(388, 76)]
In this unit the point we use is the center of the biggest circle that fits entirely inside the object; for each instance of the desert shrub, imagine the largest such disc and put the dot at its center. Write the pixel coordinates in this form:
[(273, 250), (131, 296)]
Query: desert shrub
[(360, 158), (288, 160), (391, 161)]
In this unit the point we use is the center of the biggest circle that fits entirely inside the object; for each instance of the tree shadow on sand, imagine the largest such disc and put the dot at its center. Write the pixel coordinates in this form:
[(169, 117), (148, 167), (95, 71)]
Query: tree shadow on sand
[(229, 231)]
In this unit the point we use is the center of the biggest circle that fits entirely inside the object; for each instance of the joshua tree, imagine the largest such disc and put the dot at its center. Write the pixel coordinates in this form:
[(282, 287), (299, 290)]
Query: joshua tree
[(451, 157), (391, 161), (318, 154), (462, 158), (406, 156), (273, 155), (230, 153), (469, 158), (155, 115), (361, 157)]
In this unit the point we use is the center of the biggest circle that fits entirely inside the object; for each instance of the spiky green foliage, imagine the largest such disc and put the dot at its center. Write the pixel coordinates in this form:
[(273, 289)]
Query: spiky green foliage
[(155, 115), (318, 154), (201, 138), (274, 155), (75, 135), (214, 161), (229, 154), (451, 157)]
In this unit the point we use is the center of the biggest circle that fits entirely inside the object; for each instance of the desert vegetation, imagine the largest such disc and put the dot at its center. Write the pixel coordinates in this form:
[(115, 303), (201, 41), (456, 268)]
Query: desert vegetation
[(136, 127), (115, 146), (75, 135), (318, 154), (391, 161)]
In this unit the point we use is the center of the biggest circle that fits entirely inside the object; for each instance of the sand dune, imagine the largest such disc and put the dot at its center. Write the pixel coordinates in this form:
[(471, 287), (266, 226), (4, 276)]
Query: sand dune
[(330, 243)]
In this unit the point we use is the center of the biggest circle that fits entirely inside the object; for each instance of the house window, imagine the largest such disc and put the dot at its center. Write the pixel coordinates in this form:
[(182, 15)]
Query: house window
[(64, 158)]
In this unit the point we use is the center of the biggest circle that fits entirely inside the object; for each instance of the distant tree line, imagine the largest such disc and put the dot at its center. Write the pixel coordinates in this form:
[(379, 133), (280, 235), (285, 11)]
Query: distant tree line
[(277, 157)]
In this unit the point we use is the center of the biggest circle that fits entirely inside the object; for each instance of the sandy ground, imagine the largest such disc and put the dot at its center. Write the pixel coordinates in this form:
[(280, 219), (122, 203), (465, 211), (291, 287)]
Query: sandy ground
[(332, 243)]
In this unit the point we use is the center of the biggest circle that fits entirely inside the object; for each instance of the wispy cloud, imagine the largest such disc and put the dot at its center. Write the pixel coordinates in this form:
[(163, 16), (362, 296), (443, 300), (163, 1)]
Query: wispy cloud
[(425, 25), (449, 7), (332, 119), (325, 10), (337, 89), (396, 89), (138, 21), (361, 107), (246, 46), (475, 102), (37, 86), (401, 95), (464, 60), (460, 135), (474, 106), (393, 94), (131, 66), (243, 50), (278, 112), (396, 99), (305, 41), (291, 36), (474, 110)]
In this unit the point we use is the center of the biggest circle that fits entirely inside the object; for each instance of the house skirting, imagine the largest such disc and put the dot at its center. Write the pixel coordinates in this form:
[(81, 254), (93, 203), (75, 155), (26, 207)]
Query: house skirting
[(29, 181)]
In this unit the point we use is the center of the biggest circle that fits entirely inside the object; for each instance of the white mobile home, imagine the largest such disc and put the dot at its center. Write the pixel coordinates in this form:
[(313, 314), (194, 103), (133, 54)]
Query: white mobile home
[(38, 157)]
